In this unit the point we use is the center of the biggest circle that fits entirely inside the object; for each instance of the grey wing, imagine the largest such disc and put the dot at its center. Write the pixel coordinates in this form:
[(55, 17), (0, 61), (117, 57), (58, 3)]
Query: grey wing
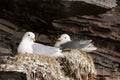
[(75, 45), (85, 41), (42, 49)]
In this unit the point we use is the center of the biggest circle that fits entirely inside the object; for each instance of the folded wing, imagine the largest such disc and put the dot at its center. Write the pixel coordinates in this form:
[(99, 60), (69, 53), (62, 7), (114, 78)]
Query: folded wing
[(46, 50)]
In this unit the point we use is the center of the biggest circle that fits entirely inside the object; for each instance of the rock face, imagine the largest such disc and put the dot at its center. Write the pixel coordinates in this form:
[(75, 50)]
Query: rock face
[(46, 10), (102, 3), (98, 20)]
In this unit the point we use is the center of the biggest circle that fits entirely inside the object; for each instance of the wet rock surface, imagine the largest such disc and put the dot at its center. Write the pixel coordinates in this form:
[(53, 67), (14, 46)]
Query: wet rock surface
[(101, 24)]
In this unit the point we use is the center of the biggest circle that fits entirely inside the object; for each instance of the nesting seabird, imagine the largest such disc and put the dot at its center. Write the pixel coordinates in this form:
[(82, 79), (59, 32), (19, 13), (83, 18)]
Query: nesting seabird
[(65, 42), (27, 45)]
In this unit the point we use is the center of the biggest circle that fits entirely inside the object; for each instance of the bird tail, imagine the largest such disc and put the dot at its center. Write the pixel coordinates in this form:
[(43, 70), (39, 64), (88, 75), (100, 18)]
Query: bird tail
[(85, 41), (89, 48)]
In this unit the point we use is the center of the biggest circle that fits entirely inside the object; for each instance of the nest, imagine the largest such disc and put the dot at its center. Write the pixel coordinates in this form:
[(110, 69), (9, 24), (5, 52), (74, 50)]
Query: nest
[(74, 65), (36, 67), (78, 65)]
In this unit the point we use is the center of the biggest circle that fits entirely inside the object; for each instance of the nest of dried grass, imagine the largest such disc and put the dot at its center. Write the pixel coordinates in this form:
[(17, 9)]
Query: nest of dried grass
[(78, 65), (36, 67), (74, 65)]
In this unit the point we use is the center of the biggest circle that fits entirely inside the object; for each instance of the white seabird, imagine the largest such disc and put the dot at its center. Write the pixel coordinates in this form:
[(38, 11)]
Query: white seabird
[(27, 45), (65, 42)]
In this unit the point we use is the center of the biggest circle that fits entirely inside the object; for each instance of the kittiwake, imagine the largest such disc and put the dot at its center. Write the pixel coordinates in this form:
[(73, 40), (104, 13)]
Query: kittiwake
[(65, 42), (27, 45)]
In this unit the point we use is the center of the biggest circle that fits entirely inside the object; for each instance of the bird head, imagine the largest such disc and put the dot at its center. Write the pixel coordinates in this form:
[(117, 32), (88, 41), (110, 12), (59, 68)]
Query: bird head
[(64, 37), (30, 36)]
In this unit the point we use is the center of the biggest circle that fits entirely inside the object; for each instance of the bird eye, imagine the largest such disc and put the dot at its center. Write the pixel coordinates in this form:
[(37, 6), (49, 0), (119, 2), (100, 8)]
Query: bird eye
[(65, 37), (28, 34)]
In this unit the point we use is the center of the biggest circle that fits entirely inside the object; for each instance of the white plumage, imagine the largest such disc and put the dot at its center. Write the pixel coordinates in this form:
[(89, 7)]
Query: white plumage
[(27, 45)]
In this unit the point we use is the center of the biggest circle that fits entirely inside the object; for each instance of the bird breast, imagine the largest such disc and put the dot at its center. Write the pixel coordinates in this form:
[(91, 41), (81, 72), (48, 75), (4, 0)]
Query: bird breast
[(25, 47)]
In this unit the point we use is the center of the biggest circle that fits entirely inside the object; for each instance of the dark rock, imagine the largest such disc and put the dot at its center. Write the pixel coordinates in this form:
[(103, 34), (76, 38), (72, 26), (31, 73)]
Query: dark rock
[(9, 24), (46, 10), (12, 75), (43, 38), (5, 51), (100, 23)]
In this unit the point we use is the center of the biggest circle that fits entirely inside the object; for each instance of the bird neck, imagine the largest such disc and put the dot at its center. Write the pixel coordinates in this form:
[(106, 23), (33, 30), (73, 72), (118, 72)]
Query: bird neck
[(28, 41)]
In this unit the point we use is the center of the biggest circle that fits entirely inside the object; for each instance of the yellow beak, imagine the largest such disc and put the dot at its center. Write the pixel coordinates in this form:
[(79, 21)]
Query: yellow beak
[(33, 39), (59, 39)]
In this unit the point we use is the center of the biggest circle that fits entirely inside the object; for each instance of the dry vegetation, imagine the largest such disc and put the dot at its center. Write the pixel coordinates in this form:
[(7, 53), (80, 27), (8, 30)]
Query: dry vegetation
[(74, 65)]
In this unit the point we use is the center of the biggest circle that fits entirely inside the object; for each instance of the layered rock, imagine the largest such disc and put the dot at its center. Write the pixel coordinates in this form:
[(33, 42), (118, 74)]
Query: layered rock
[(82, 19)]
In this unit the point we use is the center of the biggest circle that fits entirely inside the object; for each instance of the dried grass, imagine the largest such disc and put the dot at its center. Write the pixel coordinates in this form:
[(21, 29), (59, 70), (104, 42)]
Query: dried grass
[(35, 66), (74, 65), (78, 65)]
